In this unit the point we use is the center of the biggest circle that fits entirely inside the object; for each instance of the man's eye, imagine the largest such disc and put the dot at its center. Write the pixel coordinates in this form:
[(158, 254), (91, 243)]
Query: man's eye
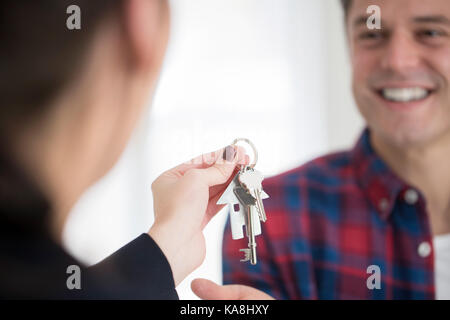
[(370, 39), (370, 36), (431, 33)]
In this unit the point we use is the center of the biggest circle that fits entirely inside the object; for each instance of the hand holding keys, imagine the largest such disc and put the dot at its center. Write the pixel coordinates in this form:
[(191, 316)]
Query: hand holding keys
[(184, 201), (245, 192)]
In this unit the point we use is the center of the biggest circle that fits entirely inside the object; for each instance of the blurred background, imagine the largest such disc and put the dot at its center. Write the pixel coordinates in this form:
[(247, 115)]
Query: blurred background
[(273, 71)]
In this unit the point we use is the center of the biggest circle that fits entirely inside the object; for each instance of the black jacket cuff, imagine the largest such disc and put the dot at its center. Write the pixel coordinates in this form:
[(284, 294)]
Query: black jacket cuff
[(138, 270)]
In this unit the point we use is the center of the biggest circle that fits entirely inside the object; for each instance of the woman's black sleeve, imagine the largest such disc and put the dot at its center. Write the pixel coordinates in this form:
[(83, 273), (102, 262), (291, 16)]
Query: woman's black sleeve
[(138, 270)]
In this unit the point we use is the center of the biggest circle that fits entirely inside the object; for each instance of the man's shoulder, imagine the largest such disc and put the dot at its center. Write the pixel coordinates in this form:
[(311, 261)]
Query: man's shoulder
[(332, 169)]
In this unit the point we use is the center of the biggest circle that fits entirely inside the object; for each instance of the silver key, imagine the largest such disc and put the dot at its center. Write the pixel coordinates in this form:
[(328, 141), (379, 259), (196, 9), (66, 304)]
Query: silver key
[(246, 199), (238, 212), (252, 180)]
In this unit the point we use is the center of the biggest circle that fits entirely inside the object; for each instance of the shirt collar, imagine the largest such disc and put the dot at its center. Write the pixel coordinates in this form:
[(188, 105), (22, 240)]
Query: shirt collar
[(381, 186)]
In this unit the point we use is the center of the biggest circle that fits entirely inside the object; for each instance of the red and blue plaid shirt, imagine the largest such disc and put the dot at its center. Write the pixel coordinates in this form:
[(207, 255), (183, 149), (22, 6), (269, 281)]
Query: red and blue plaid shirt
[(327, 222)]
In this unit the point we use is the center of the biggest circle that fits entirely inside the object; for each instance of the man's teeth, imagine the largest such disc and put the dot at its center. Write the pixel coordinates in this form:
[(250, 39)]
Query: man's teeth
[(404, 94)]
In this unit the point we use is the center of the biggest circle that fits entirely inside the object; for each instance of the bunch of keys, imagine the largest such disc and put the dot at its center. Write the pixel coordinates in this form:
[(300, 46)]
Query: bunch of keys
[(244, 198)]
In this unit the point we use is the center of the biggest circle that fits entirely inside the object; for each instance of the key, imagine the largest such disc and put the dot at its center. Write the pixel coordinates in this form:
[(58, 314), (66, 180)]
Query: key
[(238, 212), (248, 201), (252, 180), (244, 197), (250, 252)]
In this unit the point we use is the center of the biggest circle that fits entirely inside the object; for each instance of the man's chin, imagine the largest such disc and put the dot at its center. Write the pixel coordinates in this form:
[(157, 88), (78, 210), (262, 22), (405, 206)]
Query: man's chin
[(407, 135), (407, 124)]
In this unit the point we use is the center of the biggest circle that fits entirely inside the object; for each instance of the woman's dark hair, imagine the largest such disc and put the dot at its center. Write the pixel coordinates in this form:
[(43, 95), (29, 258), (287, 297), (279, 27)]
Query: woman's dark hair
[(39, 55)]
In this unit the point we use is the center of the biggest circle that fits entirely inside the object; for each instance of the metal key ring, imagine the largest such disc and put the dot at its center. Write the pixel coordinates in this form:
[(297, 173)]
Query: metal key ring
[(255, 152)]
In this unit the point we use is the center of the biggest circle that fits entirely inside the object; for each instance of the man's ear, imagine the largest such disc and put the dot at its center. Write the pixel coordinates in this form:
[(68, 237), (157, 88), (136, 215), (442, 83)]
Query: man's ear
[(142, 24)]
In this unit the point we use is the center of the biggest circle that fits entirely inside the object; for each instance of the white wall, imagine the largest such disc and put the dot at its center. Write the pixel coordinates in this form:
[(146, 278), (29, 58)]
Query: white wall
[(274, 71), (344, 123)]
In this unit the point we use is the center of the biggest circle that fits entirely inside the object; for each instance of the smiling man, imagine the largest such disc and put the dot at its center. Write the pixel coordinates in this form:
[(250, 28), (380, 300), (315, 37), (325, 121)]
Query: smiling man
[(386, 202)]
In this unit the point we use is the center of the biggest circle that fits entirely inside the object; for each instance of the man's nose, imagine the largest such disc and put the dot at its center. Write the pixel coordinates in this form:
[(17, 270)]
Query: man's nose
[(402, 53)]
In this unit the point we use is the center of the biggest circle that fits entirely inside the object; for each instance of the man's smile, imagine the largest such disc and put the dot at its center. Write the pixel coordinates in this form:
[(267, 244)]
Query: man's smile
[(404, 96)]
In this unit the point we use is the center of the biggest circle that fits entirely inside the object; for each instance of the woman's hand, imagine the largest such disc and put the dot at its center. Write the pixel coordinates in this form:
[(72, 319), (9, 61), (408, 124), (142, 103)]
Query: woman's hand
[(208, 290), (184, 201)]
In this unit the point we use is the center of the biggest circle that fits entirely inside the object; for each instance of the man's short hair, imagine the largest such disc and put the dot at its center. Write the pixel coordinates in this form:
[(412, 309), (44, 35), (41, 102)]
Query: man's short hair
[(346, 5)]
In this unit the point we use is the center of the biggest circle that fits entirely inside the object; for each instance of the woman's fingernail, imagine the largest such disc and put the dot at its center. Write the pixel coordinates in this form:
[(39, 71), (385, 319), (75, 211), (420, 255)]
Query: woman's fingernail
[(229, 153)]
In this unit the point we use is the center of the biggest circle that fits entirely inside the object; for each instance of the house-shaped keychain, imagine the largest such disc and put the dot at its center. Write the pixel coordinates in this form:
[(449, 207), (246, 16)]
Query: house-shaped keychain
[(238, 211)]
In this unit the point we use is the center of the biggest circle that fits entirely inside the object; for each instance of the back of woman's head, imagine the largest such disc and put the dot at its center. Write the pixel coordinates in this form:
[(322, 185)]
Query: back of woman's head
[(39, 54)]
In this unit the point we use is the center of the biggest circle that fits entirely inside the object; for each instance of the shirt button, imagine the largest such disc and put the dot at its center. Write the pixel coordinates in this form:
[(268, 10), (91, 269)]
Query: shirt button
[(383, 204), (424, 249), (411, 196)]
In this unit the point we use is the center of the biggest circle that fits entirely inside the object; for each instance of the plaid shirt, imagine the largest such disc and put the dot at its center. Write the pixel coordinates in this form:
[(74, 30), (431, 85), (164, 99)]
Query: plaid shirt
[(328, 221)]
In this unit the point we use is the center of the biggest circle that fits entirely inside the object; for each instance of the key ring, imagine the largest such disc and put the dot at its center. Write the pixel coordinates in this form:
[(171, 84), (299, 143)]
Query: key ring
[(255, 152)]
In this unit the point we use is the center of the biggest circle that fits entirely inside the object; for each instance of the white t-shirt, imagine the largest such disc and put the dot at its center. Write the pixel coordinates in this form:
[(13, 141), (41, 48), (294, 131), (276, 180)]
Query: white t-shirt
[(442, 266)]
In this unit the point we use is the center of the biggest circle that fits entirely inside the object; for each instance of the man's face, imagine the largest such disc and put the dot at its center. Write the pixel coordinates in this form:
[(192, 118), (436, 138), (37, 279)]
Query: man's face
[(401, 72)]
